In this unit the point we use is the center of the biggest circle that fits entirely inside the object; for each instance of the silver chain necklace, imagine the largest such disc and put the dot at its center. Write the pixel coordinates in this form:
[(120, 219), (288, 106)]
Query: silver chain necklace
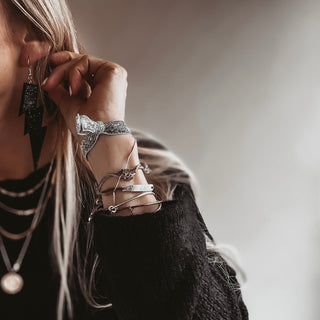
[(12, 282), (9, 193), (22, 194), (18, 212)]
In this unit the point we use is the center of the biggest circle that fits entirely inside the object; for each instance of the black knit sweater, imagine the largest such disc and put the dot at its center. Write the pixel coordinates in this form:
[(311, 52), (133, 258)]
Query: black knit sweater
[(153, 266)]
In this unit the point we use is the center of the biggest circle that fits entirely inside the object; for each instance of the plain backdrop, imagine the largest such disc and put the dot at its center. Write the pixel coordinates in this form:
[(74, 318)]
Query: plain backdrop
[(232, 86)]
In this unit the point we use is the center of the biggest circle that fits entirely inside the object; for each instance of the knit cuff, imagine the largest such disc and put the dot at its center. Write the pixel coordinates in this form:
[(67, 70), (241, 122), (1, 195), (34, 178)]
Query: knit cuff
[(153, 262)]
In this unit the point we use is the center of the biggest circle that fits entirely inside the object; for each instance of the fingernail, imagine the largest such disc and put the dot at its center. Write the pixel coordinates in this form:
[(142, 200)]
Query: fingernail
[(70, 91), (44, 81)]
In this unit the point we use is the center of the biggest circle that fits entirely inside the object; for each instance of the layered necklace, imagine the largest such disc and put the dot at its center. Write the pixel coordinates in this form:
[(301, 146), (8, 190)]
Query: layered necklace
[(12, 282)]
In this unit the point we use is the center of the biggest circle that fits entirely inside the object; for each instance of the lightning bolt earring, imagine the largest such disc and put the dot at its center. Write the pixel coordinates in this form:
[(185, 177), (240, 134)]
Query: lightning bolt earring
[(33, 116)]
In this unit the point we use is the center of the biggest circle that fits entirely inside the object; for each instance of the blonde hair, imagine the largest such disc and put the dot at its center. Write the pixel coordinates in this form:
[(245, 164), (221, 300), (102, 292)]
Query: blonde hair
[(54, 22)]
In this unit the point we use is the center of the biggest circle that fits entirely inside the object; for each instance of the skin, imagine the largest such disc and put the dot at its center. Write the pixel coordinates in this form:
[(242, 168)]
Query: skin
[(105, 101)]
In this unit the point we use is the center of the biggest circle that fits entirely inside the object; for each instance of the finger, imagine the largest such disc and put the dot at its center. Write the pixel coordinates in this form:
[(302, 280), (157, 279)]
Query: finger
[(77, 73), (71, 71), (61, 57), (58, 95), (58, 75), (108, 77), (94, 65), (103, 71), (75, 68)]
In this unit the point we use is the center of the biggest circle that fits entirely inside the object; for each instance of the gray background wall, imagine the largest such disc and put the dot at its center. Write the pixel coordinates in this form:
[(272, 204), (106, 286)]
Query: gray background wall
[(232, 87)]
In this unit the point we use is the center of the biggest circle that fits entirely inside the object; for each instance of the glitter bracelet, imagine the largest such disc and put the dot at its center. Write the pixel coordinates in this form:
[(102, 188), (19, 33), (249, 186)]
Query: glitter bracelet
[(91, 131)]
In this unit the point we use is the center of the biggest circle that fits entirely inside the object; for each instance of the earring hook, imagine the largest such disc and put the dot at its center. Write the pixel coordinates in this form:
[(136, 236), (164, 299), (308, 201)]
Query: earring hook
[(30, 72)]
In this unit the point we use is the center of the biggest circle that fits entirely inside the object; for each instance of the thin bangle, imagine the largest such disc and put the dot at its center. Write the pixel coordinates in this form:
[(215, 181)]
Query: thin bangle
[(131, 208), (128, 188), (114, 209)]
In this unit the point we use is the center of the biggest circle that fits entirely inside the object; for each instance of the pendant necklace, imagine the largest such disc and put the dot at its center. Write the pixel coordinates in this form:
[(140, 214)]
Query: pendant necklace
[(12, 281)]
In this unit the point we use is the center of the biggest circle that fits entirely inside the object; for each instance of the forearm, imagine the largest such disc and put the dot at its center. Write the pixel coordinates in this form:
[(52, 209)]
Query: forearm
[(109, 155), (158, 268)]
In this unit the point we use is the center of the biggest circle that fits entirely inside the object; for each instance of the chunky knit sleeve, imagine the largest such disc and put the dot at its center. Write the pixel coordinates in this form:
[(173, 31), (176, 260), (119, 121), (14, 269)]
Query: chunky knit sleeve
[(156, 266)]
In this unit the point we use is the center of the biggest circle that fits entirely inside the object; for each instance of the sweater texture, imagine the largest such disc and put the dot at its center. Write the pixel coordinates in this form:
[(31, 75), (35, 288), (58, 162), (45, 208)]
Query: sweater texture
[(152, 266)]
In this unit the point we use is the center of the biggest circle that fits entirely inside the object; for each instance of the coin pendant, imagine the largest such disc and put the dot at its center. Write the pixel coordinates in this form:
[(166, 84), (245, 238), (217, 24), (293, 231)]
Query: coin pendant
[(11, 283)]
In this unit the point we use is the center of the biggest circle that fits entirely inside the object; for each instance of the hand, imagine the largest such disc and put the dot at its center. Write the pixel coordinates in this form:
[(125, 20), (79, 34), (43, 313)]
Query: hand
[(100, 98), (97, 88)]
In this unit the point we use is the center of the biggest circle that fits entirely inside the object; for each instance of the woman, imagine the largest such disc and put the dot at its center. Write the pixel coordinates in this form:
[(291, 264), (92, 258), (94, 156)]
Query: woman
[(87, 230)]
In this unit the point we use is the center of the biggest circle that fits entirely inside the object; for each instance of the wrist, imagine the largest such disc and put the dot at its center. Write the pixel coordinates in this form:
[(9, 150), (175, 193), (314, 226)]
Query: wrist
[(110, 154), (91, 130)]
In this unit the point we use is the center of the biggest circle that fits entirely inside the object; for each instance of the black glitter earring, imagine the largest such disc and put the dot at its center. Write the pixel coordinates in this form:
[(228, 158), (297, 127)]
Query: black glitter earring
[(33, 117)]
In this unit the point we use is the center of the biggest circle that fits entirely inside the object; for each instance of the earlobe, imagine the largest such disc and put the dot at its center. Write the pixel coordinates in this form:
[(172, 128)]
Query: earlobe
[(33, 48), (34, 51)]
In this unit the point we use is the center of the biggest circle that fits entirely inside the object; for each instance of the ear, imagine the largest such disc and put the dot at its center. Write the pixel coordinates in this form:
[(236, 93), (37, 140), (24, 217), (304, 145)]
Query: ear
[(33, 48)]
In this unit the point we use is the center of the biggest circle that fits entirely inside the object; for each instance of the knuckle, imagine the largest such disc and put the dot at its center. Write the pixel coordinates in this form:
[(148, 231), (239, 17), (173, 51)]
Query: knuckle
[(106, 66), (84, 57), (114, 69), (125, 72), (69, 54), (117, 69)]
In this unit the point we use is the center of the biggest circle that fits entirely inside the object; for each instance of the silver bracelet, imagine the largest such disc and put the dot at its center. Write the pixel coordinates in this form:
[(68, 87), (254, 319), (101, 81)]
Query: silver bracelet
[(131, 208), (91, 131), (114, 209), (137, 188), (128, 188), (124, 174)]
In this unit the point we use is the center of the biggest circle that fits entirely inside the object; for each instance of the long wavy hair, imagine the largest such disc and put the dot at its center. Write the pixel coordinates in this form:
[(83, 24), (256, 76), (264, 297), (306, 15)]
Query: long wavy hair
[(74, 185)]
